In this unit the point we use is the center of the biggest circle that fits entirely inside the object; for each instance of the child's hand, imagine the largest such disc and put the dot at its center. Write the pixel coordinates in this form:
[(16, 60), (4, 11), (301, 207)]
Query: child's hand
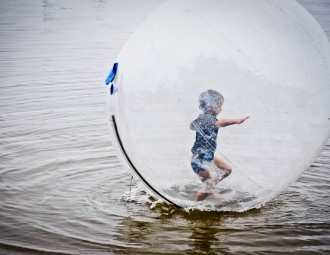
[(240, 121)]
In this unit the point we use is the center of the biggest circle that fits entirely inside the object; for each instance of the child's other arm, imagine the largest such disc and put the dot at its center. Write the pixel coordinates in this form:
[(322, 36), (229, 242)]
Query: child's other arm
[(192, 127), (228, 122)]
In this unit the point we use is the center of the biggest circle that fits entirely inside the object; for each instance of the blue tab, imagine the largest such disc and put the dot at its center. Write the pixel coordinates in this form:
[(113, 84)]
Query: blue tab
[(112, 74), (113, 89)]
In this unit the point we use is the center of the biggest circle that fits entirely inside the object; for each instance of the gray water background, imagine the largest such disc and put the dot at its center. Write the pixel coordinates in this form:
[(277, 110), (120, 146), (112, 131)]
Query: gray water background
[(61, 184)]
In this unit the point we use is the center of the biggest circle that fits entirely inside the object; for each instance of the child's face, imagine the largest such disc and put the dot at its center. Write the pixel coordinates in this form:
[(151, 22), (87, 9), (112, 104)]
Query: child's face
[(216, 108)]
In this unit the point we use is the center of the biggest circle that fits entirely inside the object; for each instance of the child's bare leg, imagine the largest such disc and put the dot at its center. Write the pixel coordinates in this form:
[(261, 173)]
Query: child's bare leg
[(205, 176), (219, 163)]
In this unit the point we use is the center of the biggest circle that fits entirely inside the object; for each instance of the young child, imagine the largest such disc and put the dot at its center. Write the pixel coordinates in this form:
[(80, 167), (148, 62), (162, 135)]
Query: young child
[(206, 126)]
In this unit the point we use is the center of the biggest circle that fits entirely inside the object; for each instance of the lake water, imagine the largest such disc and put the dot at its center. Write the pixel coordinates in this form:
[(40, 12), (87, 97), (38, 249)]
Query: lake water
[(62, 188)]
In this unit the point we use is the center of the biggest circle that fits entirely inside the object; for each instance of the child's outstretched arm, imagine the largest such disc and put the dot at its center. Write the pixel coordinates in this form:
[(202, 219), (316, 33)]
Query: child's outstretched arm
[(228, 122)]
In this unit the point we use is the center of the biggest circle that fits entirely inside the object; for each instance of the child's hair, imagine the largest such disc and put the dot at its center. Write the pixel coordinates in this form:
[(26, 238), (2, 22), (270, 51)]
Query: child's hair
[(209, 98)]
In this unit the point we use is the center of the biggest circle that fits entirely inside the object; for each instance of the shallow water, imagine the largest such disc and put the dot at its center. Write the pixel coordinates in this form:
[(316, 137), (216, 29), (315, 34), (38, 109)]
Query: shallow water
[(62, 188)]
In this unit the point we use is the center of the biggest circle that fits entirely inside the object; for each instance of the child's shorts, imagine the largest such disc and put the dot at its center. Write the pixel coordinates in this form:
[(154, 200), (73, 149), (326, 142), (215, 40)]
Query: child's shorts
[(201, 161)]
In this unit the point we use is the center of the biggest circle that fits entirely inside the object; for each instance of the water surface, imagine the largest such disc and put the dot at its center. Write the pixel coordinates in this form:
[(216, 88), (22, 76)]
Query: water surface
[(62, 188)]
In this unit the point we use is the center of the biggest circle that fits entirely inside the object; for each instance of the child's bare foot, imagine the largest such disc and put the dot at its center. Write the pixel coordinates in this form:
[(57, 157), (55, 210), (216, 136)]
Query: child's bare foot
[(200, 196)]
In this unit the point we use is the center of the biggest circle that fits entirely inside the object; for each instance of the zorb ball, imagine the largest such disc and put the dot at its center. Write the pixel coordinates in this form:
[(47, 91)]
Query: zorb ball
[(269, 59)]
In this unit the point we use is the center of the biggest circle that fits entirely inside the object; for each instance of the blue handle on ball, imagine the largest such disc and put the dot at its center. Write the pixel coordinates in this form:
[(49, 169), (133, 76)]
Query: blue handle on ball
[(112, 74)]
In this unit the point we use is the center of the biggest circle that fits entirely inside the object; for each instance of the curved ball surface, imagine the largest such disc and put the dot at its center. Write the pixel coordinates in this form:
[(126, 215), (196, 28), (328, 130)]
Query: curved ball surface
[(269, 59)]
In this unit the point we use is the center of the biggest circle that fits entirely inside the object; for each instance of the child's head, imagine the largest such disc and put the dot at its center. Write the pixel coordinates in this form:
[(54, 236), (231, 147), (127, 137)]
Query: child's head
[(211, 101)]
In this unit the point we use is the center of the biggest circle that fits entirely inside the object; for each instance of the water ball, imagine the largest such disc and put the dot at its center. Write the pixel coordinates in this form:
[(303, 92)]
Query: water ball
[(270, 60)]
